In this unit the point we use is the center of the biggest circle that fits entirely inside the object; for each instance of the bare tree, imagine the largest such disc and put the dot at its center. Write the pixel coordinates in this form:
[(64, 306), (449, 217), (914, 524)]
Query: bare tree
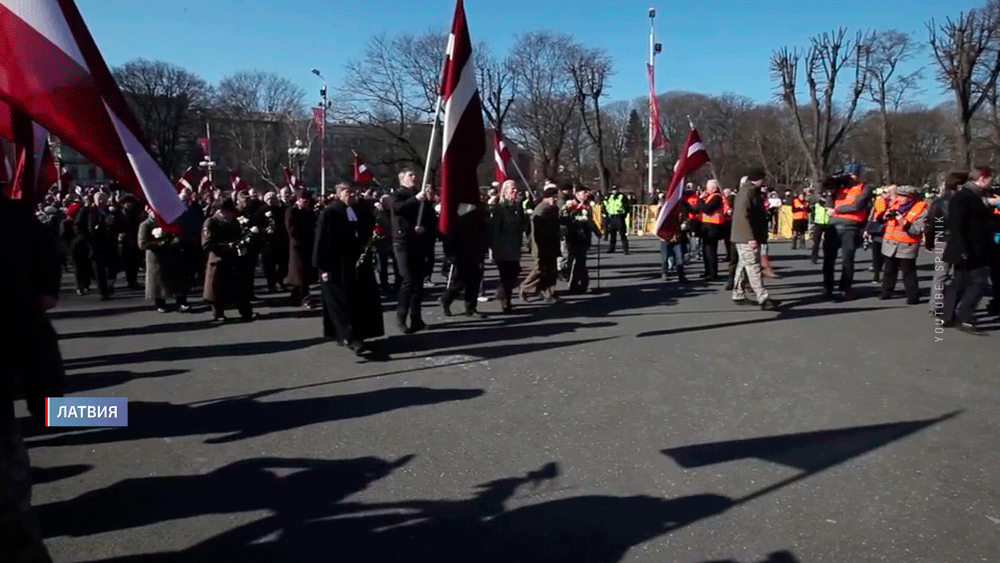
[(543, 115), (968, 63), (498, 84), (888, 85), (259, 111), (166, 99), (829, 55), (590, 69)]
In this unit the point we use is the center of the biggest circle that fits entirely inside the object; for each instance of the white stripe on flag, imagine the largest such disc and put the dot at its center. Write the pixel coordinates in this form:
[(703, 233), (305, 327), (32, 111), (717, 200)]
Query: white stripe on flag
[(46, 17), (163, 199), (458, 101), (695, 148)]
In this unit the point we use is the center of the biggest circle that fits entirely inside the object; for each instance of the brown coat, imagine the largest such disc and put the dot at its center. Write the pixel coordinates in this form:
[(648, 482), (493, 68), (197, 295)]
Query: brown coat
[(219, 238), (301, 225)]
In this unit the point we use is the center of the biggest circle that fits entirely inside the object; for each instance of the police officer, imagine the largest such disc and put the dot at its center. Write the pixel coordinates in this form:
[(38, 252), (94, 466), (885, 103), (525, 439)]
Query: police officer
[(616, 208)]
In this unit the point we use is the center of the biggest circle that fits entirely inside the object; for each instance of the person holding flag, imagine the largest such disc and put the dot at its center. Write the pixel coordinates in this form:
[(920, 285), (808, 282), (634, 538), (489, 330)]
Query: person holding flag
[(748, 234)]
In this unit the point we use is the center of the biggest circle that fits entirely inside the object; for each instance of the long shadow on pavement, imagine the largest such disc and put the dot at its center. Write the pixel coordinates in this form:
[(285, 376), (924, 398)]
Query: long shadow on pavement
[(246, 417), (311, 520), (176, 353), (77, 383), (785, 314)]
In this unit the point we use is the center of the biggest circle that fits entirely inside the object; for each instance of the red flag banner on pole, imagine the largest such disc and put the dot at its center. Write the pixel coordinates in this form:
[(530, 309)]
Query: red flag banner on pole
[(362, 174), (186, 181), (318, 122), (236, 182), (464, 136), (45, 173), (206, 148), (693, 157), (54, 73), (205, 185), (659, 140), (501, 155), (291, 180)]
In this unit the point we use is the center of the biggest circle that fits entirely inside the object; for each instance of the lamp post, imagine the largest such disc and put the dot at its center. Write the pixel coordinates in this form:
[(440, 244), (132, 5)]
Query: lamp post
[(207, 164), (322, 134), (654, 48), (298, 154)]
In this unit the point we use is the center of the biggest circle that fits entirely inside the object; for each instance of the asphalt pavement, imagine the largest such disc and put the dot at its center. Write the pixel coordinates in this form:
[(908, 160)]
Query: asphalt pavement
[(643, 423)]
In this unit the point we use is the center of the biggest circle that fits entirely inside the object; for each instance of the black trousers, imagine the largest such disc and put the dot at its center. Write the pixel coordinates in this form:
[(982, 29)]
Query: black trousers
[(132, 258), (846, 240), (274, 262), (162, 303), (878, 259), (579, 274), (83, 268), (616, 228), (106, 270), (905, 267), (384, 257), (242, 305), (509, 271), (411, 261), (817, 238), (962, 295), (710, 256), (465, 282)]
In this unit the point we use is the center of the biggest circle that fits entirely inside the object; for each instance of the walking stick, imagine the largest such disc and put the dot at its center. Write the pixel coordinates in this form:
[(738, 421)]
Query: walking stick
[(451, 271)]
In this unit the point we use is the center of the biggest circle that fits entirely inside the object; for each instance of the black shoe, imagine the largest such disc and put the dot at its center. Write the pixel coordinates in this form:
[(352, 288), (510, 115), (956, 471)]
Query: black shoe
[(829, 294), (401, 325), (729, 285), (970, 328), (744, 301), (161, 310), (106, 297), (884, 296), (416, 326), (770, 305), (684, 281), (184, 308), (81, 292), (913, 301), (993, 307), (814, 260), (474, 314), (445, 307), (249, 318), (219, 320), (356, 346)]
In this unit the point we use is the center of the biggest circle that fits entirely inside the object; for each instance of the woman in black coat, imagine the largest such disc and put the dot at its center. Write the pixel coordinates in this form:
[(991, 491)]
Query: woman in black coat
[(352, 306), (300, 223)]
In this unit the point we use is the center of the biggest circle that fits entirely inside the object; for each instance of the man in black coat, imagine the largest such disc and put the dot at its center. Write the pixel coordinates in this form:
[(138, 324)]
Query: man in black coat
[(274, 255), (936, 237), (466, 248), (98, 228), (409, 245), (970, 245), (352, 307)]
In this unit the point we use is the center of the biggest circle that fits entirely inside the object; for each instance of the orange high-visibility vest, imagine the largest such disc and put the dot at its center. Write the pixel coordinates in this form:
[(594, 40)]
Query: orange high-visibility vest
[(800, 210), (719, 217), (692, 203), (880, 206), (894, 226), (847, 198)]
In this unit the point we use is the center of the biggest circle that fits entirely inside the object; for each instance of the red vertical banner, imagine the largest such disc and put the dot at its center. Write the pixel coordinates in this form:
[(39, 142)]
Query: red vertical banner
[(318, 121), (206, 148)]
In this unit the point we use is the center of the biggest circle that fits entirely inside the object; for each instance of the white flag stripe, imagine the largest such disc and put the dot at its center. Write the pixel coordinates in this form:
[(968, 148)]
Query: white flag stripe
[(161, 198), (186, 184), (695, 148), (459, 100), (46, 17)]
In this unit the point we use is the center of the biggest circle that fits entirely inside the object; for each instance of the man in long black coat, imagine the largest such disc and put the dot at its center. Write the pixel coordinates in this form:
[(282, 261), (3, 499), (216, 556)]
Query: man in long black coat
[(352, 307), (274, 255)]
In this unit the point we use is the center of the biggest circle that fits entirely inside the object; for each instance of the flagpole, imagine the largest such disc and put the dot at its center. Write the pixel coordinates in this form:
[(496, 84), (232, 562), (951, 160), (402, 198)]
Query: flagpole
[(208, 137), (521, 174), (427, 164), (374, 179), (652, 64)]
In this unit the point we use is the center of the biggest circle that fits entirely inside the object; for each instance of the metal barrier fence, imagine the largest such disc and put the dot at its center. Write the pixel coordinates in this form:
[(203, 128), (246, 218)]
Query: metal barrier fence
[(641, 221)]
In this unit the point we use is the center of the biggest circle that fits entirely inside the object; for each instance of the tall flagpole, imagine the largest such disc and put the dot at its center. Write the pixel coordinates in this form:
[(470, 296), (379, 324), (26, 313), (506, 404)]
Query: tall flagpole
[(208, 137), (652, 64)]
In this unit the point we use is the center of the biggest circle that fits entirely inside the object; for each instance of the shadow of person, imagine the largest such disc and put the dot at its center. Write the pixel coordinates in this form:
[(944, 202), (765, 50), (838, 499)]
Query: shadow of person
[(247, 417), (247, 485)]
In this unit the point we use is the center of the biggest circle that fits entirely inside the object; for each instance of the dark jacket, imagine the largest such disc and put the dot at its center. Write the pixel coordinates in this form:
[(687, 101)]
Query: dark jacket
[(970, 240), (405, 208), (711, 230), (937, 221), (545, 232), (470, 236), (749, 217), (301, 225)]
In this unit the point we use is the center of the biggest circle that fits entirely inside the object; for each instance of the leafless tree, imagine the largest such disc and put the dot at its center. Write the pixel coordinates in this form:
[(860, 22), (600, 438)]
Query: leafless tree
[(829, 55), (259, 110), (498, 85), (166, 99), (542, 116), (968, 62), (889, 84), (590, 69)]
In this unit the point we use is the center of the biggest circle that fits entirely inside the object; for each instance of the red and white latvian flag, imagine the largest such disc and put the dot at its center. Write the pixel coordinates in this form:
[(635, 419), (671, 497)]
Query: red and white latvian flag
[(53, 71), (362, 174), (29, 141), (291, 180), (501, 155), (693, 157), (187, 180), (205, 185), (236, 182), (464, 136), (319, 122), (659, 139)]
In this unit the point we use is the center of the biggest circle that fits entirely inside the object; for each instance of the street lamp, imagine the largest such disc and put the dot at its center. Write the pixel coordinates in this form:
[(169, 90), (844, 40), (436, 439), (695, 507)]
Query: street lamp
[(298, 154), (654, 49), (207, 164), (322, 134)]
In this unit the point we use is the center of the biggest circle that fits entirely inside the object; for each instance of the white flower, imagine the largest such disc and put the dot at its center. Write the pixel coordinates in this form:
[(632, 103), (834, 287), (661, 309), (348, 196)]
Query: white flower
[(268, 214), (254, 230), (243, 220), (157, 232)]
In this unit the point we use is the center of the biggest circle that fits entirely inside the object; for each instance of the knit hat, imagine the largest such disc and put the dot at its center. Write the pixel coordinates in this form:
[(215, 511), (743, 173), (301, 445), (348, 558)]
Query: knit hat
[(907, 190), (853, 169), (756, 175)]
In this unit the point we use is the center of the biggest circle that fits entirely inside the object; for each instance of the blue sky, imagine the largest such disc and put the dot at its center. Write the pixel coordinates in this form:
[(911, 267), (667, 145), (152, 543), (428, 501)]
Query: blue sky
[(710, 46)]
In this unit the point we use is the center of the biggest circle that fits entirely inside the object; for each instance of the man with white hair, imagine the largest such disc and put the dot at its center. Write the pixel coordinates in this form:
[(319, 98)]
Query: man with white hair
[(714, 215)]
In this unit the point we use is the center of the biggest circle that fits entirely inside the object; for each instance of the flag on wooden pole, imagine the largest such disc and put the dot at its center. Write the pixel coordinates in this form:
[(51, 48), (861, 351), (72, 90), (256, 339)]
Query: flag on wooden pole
[(362, 174), (501, 155), (464, 136), (693, 157)]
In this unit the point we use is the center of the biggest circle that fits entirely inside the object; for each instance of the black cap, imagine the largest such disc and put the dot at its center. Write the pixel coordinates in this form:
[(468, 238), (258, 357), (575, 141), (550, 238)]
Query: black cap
[(756, 175), (550, 192)]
